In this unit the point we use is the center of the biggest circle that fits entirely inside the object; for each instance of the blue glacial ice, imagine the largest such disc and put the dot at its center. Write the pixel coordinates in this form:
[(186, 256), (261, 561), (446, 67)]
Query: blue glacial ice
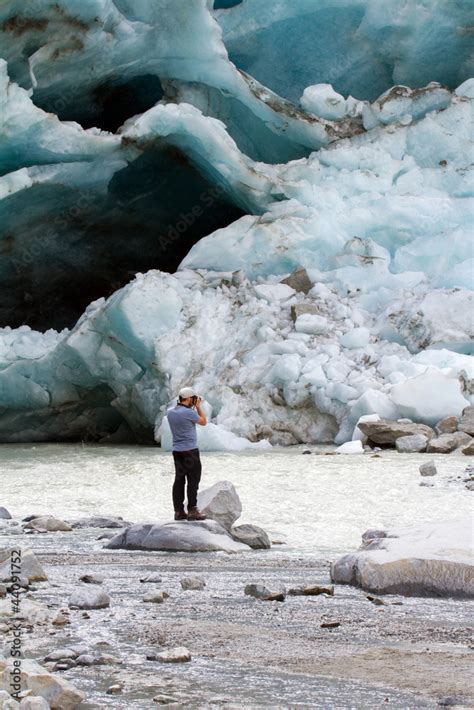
[(178, 226)]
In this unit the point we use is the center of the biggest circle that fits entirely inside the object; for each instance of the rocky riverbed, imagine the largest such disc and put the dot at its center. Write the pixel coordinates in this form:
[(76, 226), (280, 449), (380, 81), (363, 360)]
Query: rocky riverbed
[(336, 647)]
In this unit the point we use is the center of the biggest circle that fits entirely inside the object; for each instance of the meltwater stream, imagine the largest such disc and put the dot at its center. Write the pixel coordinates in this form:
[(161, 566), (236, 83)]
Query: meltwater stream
[(316, 504), (246, 655)]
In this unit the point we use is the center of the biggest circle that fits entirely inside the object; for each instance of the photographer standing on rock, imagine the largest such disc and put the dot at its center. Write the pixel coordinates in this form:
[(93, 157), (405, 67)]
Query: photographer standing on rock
[(182, 420)]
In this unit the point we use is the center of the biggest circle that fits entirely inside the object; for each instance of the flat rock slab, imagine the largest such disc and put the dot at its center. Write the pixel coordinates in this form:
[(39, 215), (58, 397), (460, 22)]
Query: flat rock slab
[(203, 536), (431, 559), (251, 535), (100, 521), (180, 654), (387, 431), (48, 523)]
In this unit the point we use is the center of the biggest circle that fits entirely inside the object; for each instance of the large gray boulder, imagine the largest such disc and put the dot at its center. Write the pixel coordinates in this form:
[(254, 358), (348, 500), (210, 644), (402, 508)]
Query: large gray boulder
[(221, 503), (387, 431), (430, 559), (446, 443), (466, 422), (469, 449), (415, 443), (27, 567), (185, 536), (4, 513), (448, 425)]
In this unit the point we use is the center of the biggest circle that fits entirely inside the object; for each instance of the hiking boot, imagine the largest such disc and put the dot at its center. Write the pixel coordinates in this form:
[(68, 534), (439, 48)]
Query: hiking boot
[(195, 514), (180, 515)]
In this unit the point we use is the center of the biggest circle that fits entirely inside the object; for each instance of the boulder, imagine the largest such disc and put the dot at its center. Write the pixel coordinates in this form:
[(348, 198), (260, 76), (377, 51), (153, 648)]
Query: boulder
[(203, 536), (100, 521), (469, 449), (387, 431), (4, 514), (151, 579), (154, 598), (448, 425), (261, 591), (415, 443), (29, 565), (48, 523), (89, 598), (251, 535), (428, 469), (192, 584), (221, 503), (446, 443), (430, 559), (31, 611), (299, 280), (59, 693), (466, 422), (180, 654)]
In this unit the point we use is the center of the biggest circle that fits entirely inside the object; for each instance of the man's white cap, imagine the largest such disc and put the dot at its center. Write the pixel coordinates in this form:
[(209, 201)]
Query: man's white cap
[(186, 392)]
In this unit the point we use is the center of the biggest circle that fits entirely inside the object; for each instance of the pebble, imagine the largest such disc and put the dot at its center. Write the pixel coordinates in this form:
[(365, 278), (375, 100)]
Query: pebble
[(151, 578), (330, 624), (192, 583), (260, 591), (114, 689), (91, 579), (85, 660), (154, 597), (428, 469), (179, 654)]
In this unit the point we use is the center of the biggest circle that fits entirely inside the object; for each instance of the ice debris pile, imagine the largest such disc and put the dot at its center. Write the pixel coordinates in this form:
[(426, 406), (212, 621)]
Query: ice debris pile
[(343, 290)]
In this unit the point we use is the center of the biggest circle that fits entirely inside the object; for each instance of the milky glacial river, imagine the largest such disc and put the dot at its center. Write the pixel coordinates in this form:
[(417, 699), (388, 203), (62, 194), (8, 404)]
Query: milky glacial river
[(316, 504)]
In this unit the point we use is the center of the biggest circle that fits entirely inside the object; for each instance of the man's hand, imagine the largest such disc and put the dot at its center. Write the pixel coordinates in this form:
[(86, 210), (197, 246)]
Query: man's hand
[(202, 421)]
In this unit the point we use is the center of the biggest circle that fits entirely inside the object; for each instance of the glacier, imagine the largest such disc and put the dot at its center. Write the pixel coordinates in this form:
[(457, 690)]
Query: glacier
[(160, 200)]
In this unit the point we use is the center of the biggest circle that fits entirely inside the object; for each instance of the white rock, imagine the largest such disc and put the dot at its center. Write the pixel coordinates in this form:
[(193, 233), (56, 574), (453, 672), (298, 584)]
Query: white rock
[(154, 597), (180, 654), (351, 447), (58, 692), (221, 503), (88, 598), (192, 584), (425, 559), (29, 565)]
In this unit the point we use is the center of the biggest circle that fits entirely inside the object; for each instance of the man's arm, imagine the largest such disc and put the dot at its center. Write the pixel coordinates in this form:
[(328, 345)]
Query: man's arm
[(202, 421)]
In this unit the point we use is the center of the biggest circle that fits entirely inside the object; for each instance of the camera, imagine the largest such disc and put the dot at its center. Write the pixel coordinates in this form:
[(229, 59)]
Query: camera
[(196, 399)]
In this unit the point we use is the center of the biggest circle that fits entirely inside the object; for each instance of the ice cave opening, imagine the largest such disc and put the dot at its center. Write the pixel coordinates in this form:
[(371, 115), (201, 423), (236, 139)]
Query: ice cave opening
[(107, 105), (73, 245)]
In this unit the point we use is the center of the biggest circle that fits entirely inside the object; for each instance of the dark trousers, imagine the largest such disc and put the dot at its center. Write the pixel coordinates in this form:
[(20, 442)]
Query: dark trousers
[(187, 466)]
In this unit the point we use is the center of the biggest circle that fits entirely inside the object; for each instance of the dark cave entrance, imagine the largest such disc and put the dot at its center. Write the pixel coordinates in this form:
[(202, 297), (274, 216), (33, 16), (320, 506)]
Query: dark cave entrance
[(69, 248), (106, 106)]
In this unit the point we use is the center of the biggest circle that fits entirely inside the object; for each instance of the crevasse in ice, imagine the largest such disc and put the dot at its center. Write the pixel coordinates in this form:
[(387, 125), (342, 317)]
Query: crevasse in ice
[(212, 176)]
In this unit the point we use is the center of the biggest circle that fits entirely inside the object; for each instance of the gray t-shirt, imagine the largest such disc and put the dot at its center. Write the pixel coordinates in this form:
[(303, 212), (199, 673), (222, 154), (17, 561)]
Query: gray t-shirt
[(182, 421)]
